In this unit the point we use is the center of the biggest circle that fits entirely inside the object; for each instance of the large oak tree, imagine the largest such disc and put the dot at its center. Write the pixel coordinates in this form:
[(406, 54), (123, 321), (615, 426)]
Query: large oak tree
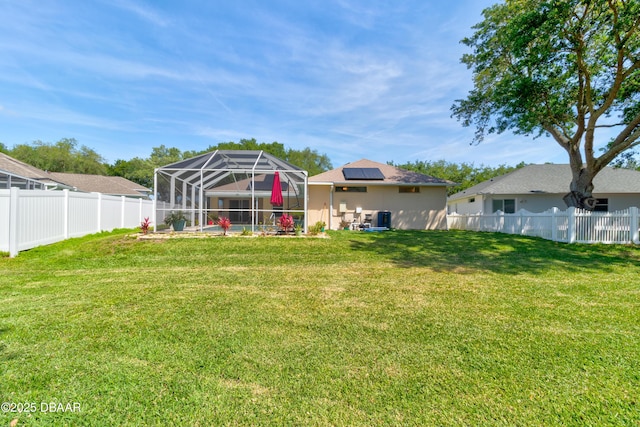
[(566, 68)]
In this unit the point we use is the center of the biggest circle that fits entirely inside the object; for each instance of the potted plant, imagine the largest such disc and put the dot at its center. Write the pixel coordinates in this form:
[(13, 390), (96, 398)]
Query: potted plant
[(176, 219), (344, 224)]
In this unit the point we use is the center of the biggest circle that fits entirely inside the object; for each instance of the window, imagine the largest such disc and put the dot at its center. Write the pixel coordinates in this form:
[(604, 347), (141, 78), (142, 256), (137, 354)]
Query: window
[(409, 189), (504, 205), (602, 205), (351, 189), (472, 200)]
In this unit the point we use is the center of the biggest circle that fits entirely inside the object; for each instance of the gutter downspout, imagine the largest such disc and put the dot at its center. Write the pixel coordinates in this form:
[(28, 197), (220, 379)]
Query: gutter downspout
[(330, 213)]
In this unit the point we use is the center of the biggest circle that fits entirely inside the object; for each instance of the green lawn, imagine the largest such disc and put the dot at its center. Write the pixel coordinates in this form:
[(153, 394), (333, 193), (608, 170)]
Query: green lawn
[(395, 328)]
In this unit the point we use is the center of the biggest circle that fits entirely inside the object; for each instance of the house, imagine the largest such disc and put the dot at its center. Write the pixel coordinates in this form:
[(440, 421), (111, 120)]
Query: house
[(538, 188), (378, 194), (111, 185), (14, 173)]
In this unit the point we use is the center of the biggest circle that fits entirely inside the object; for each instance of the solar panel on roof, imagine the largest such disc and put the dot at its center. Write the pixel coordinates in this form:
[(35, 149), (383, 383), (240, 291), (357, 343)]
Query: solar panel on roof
[(362, 174)]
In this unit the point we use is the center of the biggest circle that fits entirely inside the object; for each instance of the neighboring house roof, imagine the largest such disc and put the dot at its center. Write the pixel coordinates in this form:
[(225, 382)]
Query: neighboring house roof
[(15, 166), (392, 176), (113, 185), (552, 179)]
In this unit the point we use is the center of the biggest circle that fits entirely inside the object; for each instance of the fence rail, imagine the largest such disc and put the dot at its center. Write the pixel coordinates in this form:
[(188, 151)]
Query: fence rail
[(570, 226), (30, 218)]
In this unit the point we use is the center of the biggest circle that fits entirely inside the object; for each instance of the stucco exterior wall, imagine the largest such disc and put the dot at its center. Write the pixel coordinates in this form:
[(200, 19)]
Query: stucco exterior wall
[(618, 202), (530, 202), (318, 204), (409, 211), (467, 206)]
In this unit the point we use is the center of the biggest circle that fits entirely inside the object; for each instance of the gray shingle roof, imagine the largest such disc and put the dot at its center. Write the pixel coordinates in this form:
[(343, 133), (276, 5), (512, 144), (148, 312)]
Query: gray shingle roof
[(15, 166), (392, 175), (113, 185), (553, 179)]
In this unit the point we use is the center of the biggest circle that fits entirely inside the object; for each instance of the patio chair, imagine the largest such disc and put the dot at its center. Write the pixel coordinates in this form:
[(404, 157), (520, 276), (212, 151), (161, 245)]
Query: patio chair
[(366, 222)]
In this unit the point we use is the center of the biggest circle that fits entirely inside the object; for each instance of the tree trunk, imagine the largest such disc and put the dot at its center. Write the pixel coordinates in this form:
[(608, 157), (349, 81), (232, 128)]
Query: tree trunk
[(581, 187)]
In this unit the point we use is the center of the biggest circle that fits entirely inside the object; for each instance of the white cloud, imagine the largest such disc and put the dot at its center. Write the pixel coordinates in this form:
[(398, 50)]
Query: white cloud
[(143, 11)]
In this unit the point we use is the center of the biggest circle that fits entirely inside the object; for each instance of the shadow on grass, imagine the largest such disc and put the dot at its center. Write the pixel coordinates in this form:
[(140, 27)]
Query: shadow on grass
[(462, 251)]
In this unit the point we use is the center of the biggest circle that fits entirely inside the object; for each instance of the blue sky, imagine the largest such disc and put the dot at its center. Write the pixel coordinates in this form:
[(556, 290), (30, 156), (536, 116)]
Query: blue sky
[(352, 79)]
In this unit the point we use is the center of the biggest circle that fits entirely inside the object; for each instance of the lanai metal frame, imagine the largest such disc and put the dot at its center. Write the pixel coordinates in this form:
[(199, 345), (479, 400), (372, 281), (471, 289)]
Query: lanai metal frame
[(186, 185)]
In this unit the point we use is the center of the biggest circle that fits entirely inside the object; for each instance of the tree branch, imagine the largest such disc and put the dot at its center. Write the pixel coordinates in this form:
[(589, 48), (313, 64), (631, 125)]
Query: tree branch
[(629, 137), (610, 126), (560, 138)]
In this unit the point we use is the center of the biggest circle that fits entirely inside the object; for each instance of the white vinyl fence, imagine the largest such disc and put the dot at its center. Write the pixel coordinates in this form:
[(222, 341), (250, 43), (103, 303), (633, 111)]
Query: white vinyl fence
[(30, 218), (570, 226)]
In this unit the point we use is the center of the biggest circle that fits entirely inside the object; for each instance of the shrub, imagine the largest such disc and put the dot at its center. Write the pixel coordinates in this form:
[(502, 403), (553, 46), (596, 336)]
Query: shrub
[(224, 223), (286, 222), (144, 225), (317, 228)]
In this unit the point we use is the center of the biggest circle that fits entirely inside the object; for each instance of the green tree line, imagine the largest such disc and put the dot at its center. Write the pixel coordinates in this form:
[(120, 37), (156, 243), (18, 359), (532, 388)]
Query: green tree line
[(464, 174), (67, 155)]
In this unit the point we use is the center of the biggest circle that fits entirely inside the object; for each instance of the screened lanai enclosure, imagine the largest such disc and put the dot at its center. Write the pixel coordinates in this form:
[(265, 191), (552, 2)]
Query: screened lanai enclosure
[(236, 184)]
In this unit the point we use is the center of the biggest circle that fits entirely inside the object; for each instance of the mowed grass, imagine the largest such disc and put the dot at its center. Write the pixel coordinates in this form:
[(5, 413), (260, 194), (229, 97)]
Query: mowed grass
[(396, 328)]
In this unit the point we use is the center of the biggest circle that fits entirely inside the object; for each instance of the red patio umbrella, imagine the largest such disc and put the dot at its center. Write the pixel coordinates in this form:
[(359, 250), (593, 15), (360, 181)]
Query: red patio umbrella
[(276, 191)]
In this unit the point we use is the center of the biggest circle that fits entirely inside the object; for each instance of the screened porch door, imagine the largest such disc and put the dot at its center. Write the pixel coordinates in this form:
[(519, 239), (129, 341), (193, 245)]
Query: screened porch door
[(240, 211)]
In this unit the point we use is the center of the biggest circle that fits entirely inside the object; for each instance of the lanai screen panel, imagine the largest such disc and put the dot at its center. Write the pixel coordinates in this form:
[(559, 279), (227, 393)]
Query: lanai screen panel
[(232, 183)]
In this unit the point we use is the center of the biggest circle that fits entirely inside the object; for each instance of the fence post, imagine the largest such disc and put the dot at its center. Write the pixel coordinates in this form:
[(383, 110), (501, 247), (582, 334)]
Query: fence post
[(99, 213), (633, 223), (14, 195), (521, 222), (65, 214), (571, 231), (122, 219), (554, 224)]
